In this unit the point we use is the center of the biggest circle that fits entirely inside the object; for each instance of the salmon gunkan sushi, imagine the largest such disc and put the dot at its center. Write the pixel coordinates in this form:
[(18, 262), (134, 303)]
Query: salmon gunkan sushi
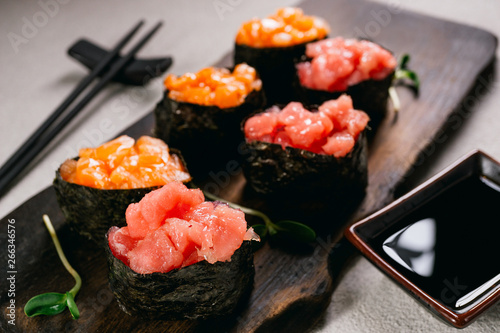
[(106, 179), (272, 45), (180, 257), (359, 68), (306, 154), (201, 113)]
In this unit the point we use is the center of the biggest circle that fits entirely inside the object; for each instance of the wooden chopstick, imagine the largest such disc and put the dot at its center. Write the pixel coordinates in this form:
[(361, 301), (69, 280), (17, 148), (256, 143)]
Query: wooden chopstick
[(35, 148)]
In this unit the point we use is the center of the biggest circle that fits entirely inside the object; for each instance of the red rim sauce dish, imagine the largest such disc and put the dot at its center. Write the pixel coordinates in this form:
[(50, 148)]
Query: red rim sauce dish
[(437, 241)]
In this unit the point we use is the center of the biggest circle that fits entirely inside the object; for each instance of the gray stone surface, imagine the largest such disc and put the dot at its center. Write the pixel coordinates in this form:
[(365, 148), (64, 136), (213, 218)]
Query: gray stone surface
[(36, 75)]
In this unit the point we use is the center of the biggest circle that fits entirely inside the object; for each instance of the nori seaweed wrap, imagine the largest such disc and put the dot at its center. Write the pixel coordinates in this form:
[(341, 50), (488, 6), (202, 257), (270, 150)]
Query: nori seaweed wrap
[(300, 177), (293, 171), (305, 185), (208, 135), (198, 291), (369, 94), (272, 45), (91, 211), (276, 67)]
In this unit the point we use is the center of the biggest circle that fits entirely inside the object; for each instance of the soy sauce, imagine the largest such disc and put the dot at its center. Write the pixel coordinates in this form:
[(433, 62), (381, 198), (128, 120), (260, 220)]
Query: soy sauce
[(450, 246)]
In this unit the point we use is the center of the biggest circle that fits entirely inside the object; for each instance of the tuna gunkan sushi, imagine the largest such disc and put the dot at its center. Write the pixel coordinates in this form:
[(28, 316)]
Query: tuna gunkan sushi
[(201, 113), (180, 257), (106, 179), (359, 68), (272, 45), (308, 154)]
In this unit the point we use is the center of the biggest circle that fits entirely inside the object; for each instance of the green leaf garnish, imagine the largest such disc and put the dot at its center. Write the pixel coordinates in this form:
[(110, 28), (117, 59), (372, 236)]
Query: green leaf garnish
[(73, 309), (300, 232), (50, 304), (407, 74), (405, 59), (402, 72), (296, 230)]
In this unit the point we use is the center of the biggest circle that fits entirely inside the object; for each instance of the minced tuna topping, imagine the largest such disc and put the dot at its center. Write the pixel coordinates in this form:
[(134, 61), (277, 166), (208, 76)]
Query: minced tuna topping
[(174, 227), (332, 130), (338, 63)]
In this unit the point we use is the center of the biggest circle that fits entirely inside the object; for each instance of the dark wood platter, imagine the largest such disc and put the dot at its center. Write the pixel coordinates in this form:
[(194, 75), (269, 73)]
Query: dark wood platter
[(292, 288)]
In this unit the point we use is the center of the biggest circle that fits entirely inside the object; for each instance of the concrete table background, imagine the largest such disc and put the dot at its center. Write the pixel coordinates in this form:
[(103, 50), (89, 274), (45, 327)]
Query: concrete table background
[(36, 74)]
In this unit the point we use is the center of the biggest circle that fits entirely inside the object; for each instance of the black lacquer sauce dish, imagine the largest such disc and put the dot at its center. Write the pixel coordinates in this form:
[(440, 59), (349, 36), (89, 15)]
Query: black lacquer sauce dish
[(441, 241)]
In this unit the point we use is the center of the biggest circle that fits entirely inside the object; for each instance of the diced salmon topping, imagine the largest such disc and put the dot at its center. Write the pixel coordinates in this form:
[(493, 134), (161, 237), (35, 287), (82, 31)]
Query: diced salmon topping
[(288, 26), (124, 164), (214, 86)]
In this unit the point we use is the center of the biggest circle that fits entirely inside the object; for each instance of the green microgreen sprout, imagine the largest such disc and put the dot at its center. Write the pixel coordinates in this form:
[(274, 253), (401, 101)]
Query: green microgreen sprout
[(296, 230), (50, 304), (402, 72)]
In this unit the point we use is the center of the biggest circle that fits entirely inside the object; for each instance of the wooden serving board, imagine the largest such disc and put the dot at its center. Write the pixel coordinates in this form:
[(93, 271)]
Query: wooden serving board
[(292, 288)]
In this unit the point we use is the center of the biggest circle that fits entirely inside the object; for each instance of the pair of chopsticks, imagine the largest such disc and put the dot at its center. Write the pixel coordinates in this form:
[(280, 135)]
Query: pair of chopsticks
[(42, 136)]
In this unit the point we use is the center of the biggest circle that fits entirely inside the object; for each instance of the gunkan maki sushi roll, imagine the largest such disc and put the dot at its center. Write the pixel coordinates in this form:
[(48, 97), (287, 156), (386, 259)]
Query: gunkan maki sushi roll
[(180, 257), (301, 155), (201, 114), (359, 68), (95, 189), (272, 45)]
